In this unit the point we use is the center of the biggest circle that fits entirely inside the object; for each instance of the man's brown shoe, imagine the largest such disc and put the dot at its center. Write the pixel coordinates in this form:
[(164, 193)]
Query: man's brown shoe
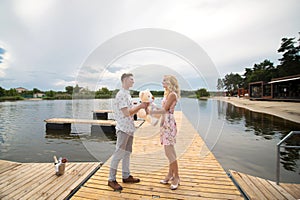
[(114, 185), (130, 179)]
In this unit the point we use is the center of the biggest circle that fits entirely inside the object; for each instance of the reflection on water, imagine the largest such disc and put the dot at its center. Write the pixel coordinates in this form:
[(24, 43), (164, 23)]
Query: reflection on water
[(262, 124), (267, 126), (96, 132)]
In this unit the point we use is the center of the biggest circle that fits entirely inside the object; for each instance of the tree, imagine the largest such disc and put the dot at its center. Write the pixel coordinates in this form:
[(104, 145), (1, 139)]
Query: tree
[(220, 84), (2, 92), (202, 93), (76, 89), (103, 93), (50, 93), (35, 90), (290, 61), (232, 82), (69, 89), (263, 71), (12, 92), (105, 90)]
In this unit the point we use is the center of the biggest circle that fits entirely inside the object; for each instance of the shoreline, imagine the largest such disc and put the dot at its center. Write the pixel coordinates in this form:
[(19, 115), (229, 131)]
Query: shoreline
[(286, 110)]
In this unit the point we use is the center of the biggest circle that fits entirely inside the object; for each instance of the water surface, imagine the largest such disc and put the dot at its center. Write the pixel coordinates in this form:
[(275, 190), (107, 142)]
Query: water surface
[(240, 139)]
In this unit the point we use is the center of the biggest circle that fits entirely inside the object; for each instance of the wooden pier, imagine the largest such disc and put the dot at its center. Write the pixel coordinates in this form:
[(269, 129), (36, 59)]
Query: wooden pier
[(38, 180), (202, 177), (107, 126), (100, 123), (258, 188)]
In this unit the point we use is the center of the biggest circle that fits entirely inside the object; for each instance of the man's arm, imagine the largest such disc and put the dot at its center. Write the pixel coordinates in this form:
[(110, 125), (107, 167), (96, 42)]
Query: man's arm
[(128, 112)]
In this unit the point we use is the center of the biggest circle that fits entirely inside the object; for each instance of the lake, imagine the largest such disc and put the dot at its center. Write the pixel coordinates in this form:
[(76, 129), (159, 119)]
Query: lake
[(240, 139)]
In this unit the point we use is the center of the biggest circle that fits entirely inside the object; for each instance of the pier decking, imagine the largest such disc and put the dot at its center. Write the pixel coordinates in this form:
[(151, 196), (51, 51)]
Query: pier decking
[(202, 177), (38, 180), (258, 188)]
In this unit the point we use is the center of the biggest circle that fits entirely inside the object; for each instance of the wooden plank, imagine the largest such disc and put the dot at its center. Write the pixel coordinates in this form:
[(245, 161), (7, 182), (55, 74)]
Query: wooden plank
[(202, 177), (62, 192), (14, 175), (137, 123), (154, 185), (277, 194), (92, 169), (103, 111), (49, 180), (80, 121), (49, 187), (282, 191), (268, 188), (243, 185), (91, 193), (24, 185), (7, 165), (38, 180), (293, 189), (264, 188)]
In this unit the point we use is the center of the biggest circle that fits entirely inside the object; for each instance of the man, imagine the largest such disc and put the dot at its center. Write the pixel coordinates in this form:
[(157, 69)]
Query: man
[(124, 111)]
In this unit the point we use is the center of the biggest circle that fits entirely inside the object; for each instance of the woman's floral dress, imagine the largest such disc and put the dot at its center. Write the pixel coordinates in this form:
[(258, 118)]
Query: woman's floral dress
[(168, 129)]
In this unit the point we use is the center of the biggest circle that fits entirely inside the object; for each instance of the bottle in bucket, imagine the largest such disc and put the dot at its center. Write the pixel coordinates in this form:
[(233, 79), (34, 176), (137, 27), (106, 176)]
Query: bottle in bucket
[(60, 165)]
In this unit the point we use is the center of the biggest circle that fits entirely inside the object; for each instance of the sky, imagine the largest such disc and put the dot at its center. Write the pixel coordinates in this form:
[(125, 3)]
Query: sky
[(52, 44)]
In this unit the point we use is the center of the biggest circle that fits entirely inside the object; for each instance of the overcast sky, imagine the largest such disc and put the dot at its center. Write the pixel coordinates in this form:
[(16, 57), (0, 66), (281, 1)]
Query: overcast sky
[(51, 44)]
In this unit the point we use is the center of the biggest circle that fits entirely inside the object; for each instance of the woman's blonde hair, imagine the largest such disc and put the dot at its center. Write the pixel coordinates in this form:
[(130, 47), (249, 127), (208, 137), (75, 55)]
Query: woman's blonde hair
[(172, 85)]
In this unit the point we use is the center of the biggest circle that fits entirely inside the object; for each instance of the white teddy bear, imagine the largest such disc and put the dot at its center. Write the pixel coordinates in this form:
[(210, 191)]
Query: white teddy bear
[(146, 96)]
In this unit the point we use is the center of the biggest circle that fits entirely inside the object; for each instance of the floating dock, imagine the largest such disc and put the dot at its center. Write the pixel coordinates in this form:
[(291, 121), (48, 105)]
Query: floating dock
[(64, 124), (202, 176), (258, 188), (38, 180)]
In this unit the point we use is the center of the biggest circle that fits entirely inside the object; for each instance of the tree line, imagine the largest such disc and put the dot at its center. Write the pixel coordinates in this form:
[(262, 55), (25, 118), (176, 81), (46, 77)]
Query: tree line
[(78, 92), (289, 64)]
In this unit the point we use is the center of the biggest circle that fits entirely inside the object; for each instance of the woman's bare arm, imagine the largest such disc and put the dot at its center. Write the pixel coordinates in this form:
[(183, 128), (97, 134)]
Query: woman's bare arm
[(170, 100)]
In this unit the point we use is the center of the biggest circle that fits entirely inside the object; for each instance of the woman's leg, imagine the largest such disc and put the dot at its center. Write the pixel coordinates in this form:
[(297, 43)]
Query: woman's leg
[(173, 165), (171, 154)]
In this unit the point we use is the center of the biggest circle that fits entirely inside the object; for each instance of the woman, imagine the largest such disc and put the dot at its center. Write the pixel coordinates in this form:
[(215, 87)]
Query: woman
[(168, 129)]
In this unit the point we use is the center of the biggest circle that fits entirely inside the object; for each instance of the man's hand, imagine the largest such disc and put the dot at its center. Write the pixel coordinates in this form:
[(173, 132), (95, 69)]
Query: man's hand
[(135, 109), (144, 105)]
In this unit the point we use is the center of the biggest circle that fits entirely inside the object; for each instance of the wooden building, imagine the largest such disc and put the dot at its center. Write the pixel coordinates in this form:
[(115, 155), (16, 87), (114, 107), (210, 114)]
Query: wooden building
[(21, 89), (283, 88)]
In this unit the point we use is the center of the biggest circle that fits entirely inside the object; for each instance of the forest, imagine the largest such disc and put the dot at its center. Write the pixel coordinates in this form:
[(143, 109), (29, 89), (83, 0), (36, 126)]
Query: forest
[(78, 92), (289, 64)]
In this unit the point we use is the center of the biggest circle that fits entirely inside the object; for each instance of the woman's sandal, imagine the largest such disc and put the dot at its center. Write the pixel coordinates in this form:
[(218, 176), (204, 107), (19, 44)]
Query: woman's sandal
[(175, 186), (166, 180)]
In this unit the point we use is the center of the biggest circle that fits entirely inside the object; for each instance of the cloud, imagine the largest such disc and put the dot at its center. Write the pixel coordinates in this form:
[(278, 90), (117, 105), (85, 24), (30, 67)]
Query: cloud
[(64, 83), (2, 51), (4, 57), (33, 12), (58, 37), (147, 47)]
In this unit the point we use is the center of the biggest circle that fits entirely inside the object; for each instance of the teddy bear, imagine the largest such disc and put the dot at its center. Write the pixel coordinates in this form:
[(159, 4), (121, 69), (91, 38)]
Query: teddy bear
[(146, 96)]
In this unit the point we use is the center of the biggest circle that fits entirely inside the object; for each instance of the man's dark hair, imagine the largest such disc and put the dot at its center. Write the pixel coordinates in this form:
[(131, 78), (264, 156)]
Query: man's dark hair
[(125, 75)]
